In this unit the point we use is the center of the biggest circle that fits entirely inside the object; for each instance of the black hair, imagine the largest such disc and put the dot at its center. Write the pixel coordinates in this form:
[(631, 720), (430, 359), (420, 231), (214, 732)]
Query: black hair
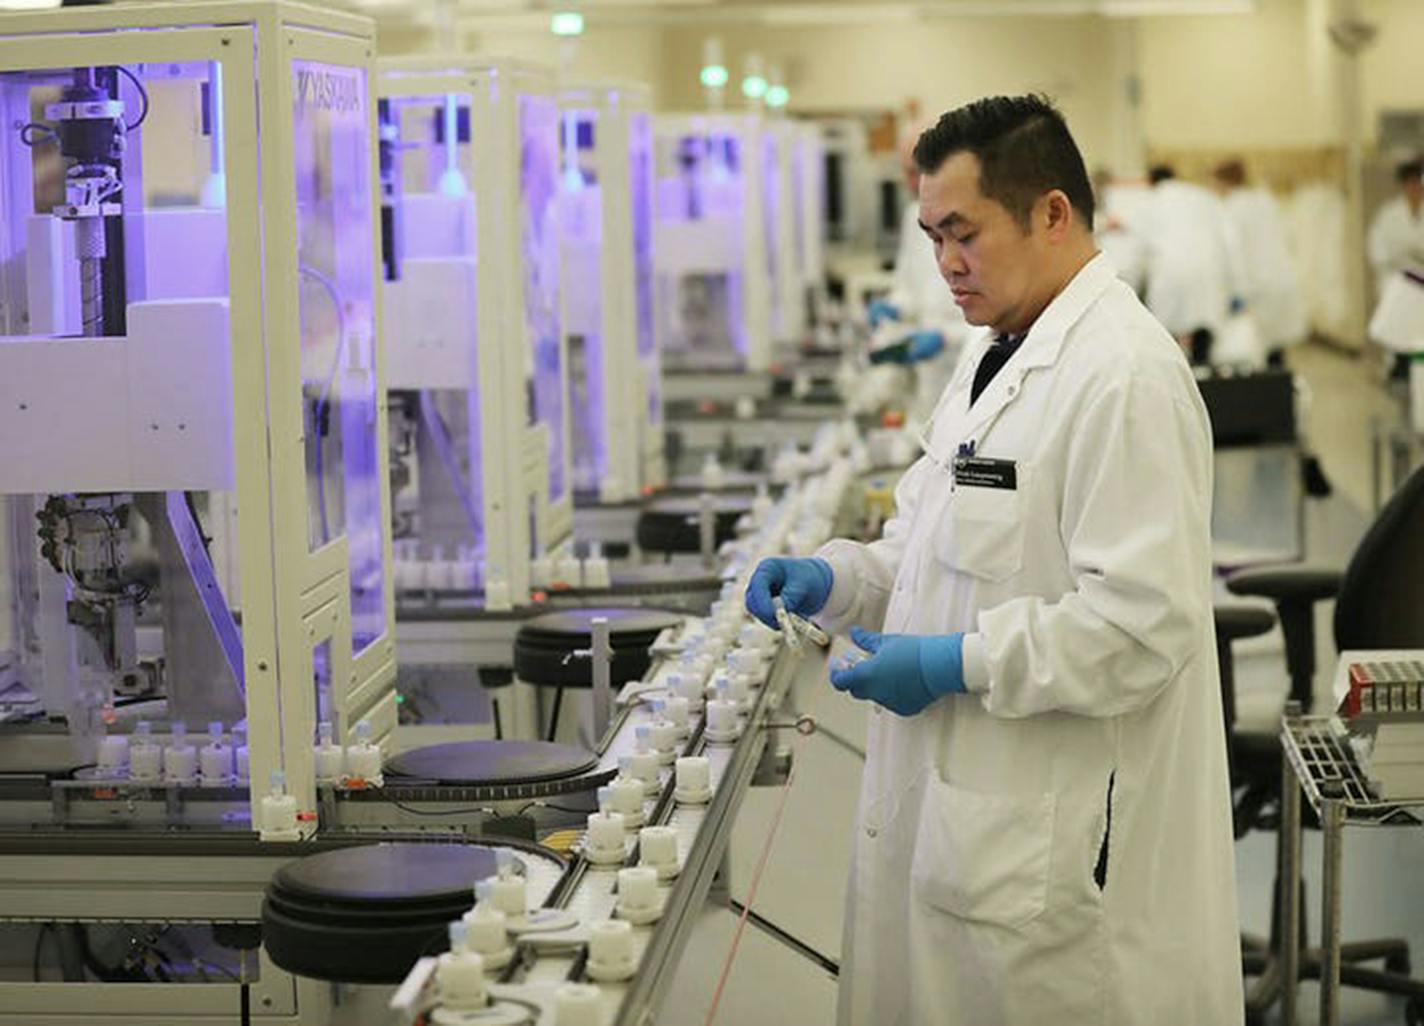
[(1161, 173), (1409, 169), (1024, 150)]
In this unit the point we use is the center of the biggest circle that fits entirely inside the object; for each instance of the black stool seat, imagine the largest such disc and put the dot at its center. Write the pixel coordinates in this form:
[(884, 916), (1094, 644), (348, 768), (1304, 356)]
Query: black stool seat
[(651, 578), (674, 524), (484, 763), (366, 914), (1235, 621), (544, 647), (1286, 583), (732, 481)]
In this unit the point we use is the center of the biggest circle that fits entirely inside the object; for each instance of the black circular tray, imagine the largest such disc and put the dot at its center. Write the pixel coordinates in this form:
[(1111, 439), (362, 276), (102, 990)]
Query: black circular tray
[(366, 914), (488, 763)]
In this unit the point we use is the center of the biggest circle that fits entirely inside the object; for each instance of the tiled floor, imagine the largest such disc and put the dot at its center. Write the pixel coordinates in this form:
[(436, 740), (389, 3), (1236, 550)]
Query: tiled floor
[(801, 886)]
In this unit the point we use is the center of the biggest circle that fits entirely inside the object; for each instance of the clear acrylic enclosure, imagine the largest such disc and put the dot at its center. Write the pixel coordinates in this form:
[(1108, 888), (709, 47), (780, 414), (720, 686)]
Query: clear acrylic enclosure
[(770, 211), (335, 266), (115, 372), (701, 286), (581, 225), (544, 370), (161, 221), (432, 295), (641, 174)]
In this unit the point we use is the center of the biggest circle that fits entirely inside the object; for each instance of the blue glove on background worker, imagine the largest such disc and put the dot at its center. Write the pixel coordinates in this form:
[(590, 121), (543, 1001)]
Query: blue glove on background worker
[(906, 672), (914, 347), (881, 310), (924, 344), (803, 584)]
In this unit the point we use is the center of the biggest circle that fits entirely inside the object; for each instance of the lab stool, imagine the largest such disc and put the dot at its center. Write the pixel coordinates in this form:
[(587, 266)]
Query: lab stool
[(552, 650)]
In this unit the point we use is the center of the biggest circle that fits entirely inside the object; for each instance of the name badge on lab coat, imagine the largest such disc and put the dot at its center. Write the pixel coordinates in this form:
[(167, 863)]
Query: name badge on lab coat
[(976, 472)]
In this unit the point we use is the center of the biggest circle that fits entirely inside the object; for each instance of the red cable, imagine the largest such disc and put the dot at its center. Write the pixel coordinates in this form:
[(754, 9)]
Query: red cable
[(751, 895)]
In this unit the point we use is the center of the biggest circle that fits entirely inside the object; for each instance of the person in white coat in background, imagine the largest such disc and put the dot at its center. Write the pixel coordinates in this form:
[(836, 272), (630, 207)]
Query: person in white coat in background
[(1396, 248), (1194, 274), (1044, 827), (918, 318), (1396, 240), (1271, 283)]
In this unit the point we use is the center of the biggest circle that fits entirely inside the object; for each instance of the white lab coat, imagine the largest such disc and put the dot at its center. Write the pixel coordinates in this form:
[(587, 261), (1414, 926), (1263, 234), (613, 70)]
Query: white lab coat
[(924, 301), (1396, 240), (1193, 258), (1123, 208), (1092, 671), (1271, 284)]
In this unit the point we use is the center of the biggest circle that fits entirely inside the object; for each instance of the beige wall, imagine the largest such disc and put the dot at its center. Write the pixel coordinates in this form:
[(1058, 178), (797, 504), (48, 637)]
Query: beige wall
[(625, 53), (616, 52), (1392, 69), (1273, 79), (938, 62), (1232, 80)]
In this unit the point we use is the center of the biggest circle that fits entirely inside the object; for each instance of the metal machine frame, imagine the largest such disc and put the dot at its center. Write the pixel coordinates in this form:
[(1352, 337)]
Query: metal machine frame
[(809, 184), (780, 138)]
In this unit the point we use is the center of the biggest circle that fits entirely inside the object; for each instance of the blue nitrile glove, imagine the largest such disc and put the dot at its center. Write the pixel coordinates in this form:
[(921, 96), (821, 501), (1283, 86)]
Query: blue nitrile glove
[(911, 348), (881, 310), (924, 344), (905, 672), (803, 584)]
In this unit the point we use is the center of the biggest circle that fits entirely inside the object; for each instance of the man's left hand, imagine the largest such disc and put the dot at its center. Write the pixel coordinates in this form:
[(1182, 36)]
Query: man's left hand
[(905, 672)]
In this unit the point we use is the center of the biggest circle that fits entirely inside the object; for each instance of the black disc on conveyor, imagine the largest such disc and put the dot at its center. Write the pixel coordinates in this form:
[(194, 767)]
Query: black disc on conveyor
[(485, 763), (544, 646), (674, 524), (366, 914)]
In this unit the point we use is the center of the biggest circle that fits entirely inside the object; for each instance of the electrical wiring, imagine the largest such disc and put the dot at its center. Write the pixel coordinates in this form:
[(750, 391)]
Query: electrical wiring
[(538, 804), (320, 411), (143, 95), (475, 810), (28, 132)]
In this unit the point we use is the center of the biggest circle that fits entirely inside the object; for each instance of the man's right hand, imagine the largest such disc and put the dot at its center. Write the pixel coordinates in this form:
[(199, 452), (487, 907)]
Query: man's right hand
[(803, 584)]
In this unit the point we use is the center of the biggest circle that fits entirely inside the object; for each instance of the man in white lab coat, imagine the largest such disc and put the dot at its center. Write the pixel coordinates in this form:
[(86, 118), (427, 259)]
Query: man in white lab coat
[(1044, 828), (1271, 285), (1194, 273)]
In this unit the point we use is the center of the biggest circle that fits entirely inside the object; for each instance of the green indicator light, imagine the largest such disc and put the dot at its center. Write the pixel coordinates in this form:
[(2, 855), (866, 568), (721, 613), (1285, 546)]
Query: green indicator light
[(566, 23), (714, 76)]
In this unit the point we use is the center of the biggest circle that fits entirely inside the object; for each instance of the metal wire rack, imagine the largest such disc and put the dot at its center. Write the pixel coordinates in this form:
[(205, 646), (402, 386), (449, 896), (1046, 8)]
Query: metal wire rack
[(1324, 761)]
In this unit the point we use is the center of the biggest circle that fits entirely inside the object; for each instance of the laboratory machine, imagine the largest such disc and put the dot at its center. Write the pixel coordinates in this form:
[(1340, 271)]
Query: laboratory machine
[(712, 281), (480, 427), (733, 272), (194, 486), (606, 183)]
